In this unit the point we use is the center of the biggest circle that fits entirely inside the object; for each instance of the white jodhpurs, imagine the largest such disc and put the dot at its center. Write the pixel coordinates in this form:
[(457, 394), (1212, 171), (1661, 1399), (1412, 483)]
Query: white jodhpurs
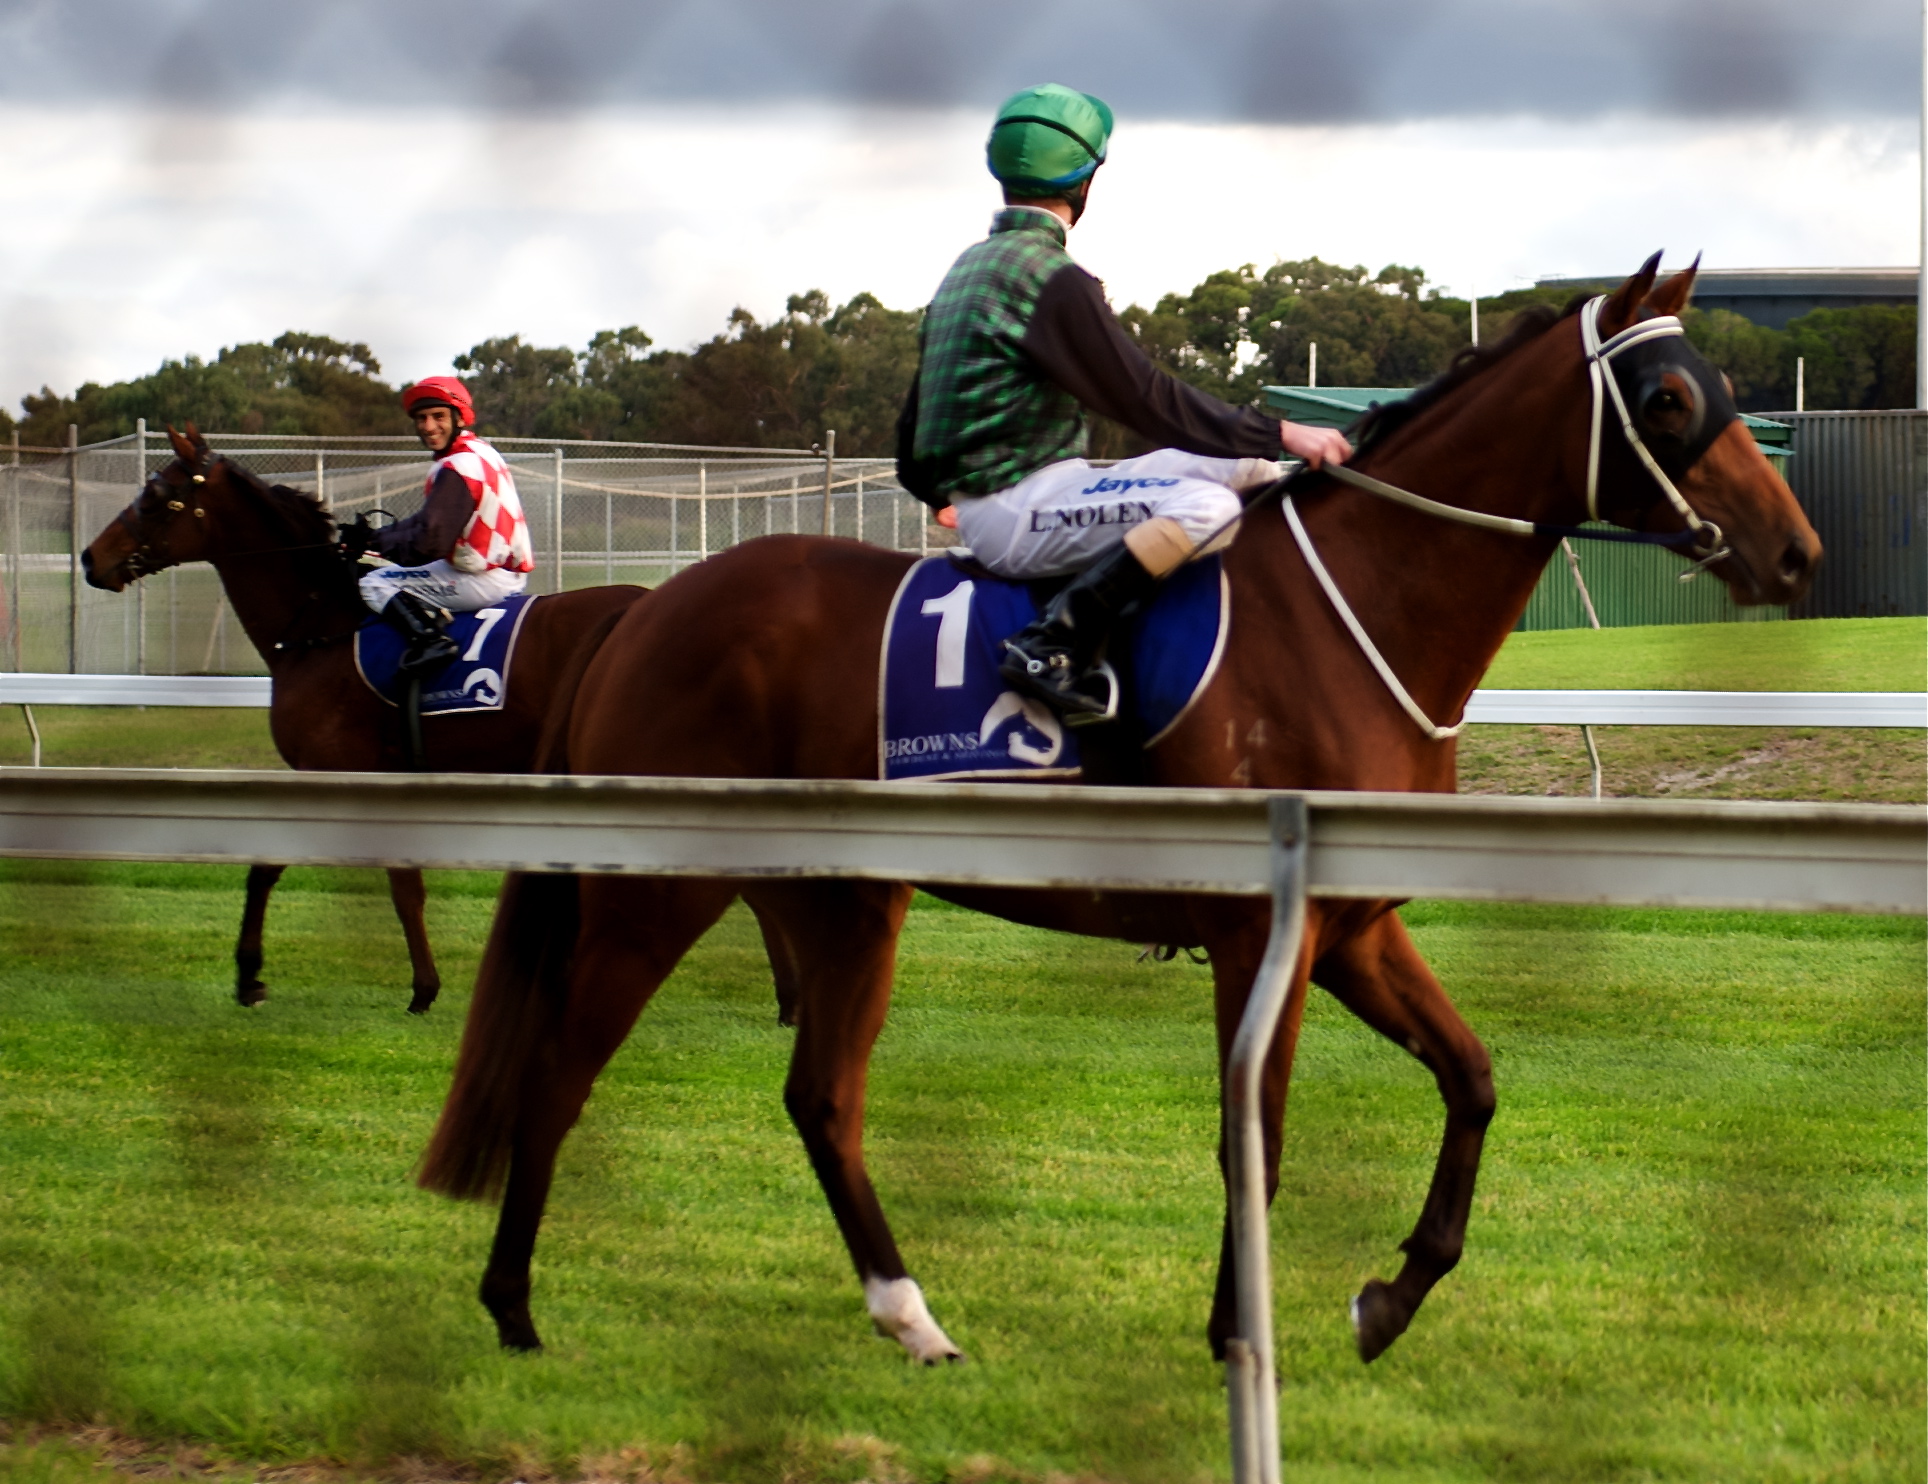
[(1067, 515), (443, 585)]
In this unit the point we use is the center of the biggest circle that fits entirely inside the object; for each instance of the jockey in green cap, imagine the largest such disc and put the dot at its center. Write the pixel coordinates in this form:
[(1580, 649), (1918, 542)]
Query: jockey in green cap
[(1018, 344)]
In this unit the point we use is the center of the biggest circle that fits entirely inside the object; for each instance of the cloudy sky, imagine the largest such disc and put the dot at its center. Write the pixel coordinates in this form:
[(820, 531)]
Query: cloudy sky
[(183, 174)]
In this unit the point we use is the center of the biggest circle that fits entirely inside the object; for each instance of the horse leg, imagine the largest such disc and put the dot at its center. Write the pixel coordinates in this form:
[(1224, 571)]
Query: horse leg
[(248, 988), (1380, 977), (1235, 963), (632, 934), (411, 898), (843, 938), (783, 961)]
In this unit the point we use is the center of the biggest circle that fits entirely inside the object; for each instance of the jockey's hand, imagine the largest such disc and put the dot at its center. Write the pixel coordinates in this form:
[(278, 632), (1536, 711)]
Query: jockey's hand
[(1317, 446), (357, 537)]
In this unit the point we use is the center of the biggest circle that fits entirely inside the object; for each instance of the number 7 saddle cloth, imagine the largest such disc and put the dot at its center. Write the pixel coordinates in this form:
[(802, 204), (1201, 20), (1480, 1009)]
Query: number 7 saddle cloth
[(945, 713), (477, 680)]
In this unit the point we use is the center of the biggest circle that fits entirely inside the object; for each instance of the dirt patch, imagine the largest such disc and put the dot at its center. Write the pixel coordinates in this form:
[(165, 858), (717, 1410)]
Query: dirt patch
[(1865, 765)]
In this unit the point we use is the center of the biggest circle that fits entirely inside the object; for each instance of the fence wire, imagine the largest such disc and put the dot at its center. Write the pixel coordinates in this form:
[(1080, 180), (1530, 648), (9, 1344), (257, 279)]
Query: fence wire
[(598, 513)]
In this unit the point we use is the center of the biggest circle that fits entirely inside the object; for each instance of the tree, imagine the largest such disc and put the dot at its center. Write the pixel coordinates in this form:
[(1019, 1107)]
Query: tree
[(299, 383)]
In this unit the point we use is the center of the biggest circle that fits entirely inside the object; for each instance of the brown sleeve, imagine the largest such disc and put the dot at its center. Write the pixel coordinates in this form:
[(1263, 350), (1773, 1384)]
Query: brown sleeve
[(1077, 341), (429, 534)]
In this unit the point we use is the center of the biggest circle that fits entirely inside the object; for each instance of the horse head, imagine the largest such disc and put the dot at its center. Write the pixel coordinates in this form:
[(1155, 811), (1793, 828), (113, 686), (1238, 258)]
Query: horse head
[(199, 508), (1668, 450)]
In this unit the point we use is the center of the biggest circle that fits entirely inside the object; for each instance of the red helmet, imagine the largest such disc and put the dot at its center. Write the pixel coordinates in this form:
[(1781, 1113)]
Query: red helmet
[(441, 391)]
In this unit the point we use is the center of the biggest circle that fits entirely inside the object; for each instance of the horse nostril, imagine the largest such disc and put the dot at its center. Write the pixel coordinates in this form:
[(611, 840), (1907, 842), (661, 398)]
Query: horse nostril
[(1795, 562), (87, 560)]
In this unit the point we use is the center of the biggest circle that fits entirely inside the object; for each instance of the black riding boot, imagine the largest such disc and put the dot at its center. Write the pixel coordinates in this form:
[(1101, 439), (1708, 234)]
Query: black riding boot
[(1055, 658), (422, 624)]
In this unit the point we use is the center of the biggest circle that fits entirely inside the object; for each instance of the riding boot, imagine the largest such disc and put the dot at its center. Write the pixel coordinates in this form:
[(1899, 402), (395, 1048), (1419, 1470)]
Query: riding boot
[(1055, 658), (422, 624)]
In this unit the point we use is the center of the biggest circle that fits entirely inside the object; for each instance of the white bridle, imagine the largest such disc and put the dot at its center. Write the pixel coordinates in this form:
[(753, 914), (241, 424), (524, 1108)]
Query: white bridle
[(1599, 354)]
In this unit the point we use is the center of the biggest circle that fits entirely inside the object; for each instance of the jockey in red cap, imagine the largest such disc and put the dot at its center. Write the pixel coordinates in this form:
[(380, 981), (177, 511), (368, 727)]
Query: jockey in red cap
[(466, 548)]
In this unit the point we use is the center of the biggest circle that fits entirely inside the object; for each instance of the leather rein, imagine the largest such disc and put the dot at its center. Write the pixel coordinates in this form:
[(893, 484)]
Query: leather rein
[(1699, 536)]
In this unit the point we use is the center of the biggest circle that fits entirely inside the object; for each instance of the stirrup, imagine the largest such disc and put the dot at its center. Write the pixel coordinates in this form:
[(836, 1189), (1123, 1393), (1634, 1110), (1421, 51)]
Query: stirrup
[(1096, 718)]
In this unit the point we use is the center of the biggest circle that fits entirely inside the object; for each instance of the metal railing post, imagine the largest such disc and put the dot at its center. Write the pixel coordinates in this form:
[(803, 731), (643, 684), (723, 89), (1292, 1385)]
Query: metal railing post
[(557, 516), (73, 548), (13, 550), (829, 470), (702, 510), (1593, 621), (1252, 1391), (140, 588), (321, 478)]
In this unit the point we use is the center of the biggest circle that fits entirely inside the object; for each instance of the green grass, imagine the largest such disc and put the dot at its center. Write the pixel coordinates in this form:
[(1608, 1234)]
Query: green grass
[(140, 737), (1696, 1252), (1809, 654)]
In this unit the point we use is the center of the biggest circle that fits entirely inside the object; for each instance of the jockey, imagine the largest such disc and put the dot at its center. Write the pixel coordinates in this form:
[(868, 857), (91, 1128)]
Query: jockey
[(1018, 343), (466, 548)]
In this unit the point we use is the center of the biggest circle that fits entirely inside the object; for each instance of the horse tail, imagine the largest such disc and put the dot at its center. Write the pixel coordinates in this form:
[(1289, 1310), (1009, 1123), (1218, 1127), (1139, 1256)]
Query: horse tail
[(510, 1039)]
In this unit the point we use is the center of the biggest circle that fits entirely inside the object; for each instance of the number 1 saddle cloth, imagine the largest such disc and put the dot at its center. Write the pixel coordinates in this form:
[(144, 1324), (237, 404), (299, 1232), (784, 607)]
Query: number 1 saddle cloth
[(477, 680), (945, 713)]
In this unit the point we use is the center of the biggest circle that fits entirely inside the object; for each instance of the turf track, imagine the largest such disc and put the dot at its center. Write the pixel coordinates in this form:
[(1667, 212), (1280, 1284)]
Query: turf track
[(1696, 1251)]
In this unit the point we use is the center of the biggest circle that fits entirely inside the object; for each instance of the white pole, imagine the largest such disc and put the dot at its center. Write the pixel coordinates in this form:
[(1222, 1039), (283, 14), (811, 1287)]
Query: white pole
[(140, 588), (321, 478), (1312, 359), (556, 515), (1474, 302), (1921, 271), (1800, 383), (702, 511)]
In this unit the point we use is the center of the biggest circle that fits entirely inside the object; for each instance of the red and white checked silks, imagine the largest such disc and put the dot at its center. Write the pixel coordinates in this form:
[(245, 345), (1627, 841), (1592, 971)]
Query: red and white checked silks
[(497, 535)]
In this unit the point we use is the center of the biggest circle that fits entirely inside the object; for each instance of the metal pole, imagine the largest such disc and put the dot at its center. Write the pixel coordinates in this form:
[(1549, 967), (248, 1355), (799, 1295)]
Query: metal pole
[(140, 588), (702, 509), (1800, 383), (1475, 309), (829, 467), (73, 548), (33, 731), (609, 536), (1921, 272), (1249, 1370), (13, 551), (1312, 367), (558, 520), (1593, 620), (321, 478)]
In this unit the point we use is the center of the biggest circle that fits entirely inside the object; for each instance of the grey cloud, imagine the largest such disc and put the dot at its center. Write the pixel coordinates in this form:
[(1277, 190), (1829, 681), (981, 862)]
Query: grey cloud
[(1309, 61)]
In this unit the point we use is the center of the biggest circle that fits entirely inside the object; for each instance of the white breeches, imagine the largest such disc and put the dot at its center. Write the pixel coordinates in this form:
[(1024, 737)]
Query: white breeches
[(443, 585), (1067, 515)]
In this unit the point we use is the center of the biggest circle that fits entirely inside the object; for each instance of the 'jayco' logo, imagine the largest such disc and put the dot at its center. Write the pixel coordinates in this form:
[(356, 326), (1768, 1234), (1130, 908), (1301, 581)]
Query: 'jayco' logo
[(1119, 486)]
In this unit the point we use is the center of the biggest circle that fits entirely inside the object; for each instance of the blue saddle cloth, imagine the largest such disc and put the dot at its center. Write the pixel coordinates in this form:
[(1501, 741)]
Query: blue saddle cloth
[(946, 713), (478, 680)]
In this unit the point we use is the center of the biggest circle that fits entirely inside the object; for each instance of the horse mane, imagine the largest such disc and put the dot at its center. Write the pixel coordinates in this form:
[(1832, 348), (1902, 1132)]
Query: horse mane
[(302, 514), (1383, 419)]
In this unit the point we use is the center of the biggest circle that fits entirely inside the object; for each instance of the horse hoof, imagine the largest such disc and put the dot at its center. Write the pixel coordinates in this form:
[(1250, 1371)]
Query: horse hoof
[(1378, 1319), (898, 1312), (423, 999), (253, 992), (518, 1332)]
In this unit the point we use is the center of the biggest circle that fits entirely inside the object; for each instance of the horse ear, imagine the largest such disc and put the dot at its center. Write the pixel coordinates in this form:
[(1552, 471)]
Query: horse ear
[(183, 442), (194, 437), (1672, 296), (1617, 313)]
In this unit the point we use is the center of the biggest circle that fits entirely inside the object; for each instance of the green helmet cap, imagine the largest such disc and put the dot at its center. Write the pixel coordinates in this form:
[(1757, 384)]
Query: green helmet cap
[(1047, 139)]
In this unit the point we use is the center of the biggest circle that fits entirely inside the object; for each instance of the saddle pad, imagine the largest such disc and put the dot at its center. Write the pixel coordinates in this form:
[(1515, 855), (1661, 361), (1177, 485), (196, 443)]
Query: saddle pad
[(477, 680), (944, 712)]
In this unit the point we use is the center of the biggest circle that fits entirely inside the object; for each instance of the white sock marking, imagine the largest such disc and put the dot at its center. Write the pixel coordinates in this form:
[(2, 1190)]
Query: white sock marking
[(898, 1311)]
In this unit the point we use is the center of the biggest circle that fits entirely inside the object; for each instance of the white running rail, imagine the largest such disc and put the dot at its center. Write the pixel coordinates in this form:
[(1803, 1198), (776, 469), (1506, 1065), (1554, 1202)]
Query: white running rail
[(1703, 708)]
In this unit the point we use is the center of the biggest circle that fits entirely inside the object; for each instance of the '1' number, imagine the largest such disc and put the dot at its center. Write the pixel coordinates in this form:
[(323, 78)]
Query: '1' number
[(953, 612)]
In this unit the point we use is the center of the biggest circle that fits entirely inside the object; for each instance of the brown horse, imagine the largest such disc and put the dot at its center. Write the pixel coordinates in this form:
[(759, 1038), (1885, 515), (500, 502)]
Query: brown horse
[(294, 592), (741, 668)]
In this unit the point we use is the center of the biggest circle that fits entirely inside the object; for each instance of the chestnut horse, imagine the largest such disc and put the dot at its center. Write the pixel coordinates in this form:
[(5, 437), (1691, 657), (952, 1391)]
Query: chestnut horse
[(741, 667), (294, 592)]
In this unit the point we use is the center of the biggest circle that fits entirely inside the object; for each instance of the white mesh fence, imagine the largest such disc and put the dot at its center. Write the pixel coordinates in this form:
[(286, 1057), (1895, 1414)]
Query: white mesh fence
[(598, 513)]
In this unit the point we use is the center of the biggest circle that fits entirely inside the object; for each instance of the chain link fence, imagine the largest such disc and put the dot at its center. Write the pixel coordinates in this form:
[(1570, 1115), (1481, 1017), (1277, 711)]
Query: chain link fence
[(598, 513)]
